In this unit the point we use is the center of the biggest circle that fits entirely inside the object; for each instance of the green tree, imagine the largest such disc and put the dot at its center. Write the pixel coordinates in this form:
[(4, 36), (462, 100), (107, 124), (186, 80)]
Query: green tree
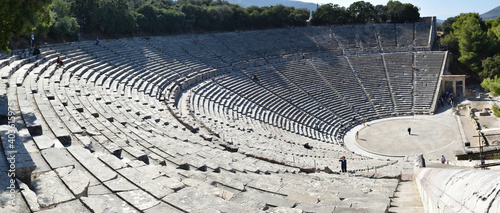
[(496, 110), (20, 17), (447, 24), (198, 14), (410, 13), (491, 67), (88, 10), (194, 2), (492, 85), (62, 22), (400, 13), (493, 26), (449, 42), (254, 16), (381, 11), (300, 16), (362, 12), (473, 43), (115, 17), (163, 3), (107, 16), (153, 19), (330, 14), (65, 25), (148, 18), (221, 16), (278, 15)]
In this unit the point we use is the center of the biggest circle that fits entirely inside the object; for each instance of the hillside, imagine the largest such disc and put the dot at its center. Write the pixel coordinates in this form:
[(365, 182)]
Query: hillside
[(261, 3), (491, 14)]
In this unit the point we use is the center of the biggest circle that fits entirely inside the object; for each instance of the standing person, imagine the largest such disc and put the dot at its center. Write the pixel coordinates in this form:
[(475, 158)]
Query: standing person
[(357, 134), (343, 164), (78, 37), (97, 41), (364, 122), (409, 130), (37, 50), (32, 40), (443, 159)]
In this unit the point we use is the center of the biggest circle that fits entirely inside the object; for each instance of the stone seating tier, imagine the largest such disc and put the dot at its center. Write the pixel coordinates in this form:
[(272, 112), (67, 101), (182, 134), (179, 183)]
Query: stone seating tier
[(93, 135)]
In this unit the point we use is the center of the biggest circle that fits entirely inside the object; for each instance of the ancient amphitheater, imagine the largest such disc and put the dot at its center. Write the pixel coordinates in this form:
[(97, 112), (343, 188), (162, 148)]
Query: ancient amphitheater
[(218, 123)]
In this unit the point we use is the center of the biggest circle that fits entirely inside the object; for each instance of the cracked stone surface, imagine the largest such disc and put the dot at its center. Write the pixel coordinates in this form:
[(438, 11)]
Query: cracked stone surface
[(29, 196), (75, 179), (71, 206), (50, 189), (284, 210), (139, 199), (43, 142), (120, 184), (193, 200), (107, 203), (161, 186), (112, 161), (162, 208)]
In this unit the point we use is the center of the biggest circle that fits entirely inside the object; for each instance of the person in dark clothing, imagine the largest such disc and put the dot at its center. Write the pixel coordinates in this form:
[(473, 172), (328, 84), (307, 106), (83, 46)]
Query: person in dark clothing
[(59, 61), (409, 130), (37, 50), (343, 164), (307, 146)]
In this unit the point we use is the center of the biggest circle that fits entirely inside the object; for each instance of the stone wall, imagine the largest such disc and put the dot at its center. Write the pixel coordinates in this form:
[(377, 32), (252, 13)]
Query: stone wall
[(459, 190)]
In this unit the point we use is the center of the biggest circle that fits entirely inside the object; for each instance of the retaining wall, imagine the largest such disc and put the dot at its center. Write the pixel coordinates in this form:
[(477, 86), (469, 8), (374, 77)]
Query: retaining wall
[(459, 190)]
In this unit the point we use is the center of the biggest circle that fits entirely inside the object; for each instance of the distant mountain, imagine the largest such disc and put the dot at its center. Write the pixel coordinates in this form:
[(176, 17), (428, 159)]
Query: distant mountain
[(491, 14), (262, 3), (439, 21)]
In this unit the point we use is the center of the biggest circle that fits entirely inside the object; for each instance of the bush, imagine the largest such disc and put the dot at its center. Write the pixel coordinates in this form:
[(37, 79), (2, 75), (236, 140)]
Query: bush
[(496, 110), (65, 25)]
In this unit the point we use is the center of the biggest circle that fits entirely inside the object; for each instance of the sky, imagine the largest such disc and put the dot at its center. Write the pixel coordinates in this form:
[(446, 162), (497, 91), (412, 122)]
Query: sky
[(442, 9)]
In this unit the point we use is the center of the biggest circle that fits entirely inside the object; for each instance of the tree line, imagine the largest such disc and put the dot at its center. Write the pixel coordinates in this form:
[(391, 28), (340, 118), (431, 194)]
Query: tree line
[(364, 12), (57, 18)]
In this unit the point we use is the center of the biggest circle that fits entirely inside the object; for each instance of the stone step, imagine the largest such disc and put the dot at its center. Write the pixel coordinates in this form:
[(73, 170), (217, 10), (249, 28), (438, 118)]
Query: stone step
[(406, 198)]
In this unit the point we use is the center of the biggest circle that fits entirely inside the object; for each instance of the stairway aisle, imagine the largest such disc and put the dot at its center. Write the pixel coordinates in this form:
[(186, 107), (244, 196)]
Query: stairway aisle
[(407, 198)]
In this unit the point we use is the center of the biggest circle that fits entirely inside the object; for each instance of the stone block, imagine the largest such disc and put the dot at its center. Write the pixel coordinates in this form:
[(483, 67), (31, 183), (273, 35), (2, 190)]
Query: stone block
[(113, 162), (92, 164), (29, 196), (113, 148), (161, 187), (70, 206), (33, 124), (50, 190), (57, 157), (106, 203), (43, 142), (285, 210), (77, 182), (139, 199), (161, 208), (119, 185), (15, 152), (137, 153)]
